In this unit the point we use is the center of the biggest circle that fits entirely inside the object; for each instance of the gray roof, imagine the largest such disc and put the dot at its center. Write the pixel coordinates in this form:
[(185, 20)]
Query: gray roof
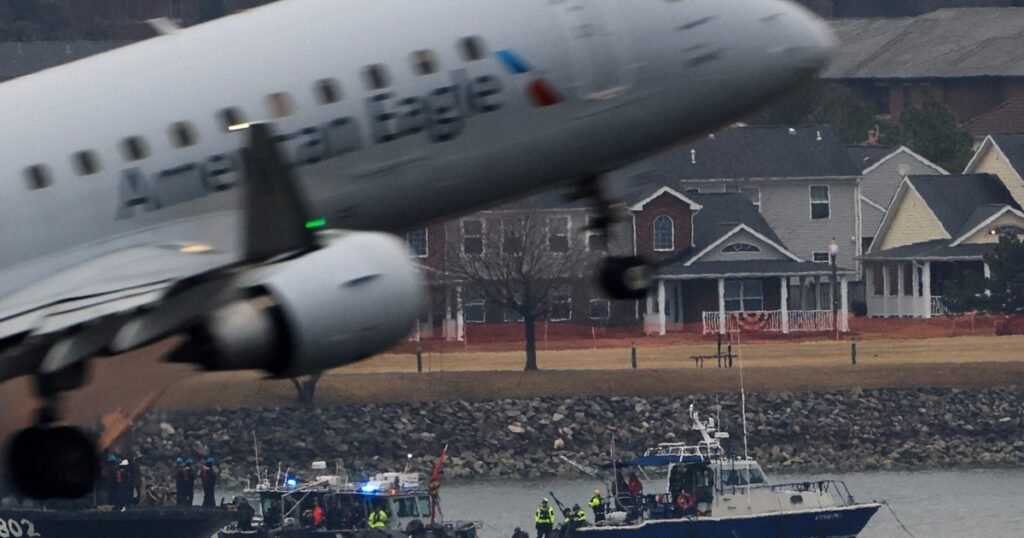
[(936, 249), (22, 58), (720, 213), (748, 268), (762, 152), (867, 156), (956, 42), (1012, 145), (954, 198)]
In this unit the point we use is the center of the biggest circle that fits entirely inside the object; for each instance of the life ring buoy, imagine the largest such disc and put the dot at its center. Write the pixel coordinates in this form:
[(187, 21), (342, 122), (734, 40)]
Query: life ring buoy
[(685, 500)]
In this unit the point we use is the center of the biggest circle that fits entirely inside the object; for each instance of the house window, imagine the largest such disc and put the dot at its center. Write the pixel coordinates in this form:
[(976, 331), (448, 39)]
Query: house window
[(741, 247), (473, 236), (820, 202), (600, 309), (754, 193), (512, 236), (878, 281), (418, 242), (820, 257), (558, 235), (561, 303), (512, 314), (744, 296), (597, 239), (474, 306), (880, 98), (692, 190), (664, 233)]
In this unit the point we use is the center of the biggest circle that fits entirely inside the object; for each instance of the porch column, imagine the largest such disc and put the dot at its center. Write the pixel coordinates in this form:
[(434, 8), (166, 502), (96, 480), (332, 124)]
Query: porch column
[(885, 289), (869, 280), (721, 306), (900, 292), (800, 304), (784, 303), (817, 293), (844, 305), (460, 319), (926, 288), (449, 316), (915, 292), (988, 275), (661, 307)]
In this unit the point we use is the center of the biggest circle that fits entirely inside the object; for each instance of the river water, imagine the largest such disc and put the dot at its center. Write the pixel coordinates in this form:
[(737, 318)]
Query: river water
[(933, 504)]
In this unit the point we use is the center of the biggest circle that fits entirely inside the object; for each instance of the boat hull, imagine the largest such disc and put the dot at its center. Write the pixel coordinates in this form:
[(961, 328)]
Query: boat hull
[(845, 522), (132, 523)]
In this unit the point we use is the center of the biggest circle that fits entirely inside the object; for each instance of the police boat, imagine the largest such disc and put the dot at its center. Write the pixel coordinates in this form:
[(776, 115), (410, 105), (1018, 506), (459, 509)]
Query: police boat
[(702, 492), (330, 505)]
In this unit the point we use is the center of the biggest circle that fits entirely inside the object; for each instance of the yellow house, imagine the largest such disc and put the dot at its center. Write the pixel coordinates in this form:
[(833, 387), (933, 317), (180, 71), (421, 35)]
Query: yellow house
[(1002, 155), (937, 229)]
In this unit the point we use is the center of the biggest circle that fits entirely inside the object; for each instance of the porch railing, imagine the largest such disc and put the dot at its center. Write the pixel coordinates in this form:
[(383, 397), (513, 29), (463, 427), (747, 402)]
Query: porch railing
[(771, 321), (938, 307)]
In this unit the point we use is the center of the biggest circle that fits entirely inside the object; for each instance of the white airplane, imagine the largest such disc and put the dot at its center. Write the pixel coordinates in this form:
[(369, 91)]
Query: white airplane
[(236, 182)]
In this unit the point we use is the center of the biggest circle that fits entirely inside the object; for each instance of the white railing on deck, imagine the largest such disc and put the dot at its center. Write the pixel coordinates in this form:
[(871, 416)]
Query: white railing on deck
[(799, 321), (938, 308)]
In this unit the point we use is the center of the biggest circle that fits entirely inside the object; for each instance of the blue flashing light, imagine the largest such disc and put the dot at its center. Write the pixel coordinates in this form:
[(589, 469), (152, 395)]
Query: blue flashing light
[(292, 483), (369, 488)]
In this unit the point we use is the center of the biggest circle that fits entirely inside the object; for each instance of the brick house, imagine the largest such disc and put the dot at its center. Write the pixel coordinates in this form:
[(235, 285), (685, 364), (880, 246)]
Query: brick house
[(964, 57)]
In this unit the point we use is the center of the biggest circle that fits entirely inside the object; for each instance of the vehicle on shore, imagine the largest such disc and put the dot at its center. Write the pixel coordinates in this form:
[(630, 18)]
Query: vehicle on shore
[(285, 508), (706, 493)]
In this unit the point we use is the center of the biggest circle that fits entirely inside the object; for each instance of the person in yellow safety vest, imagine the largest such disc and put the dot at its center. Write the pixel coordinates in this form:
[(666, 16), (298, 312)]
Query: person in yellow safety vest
[(579, 516), (597, 505), (544, 519), (378, 519)]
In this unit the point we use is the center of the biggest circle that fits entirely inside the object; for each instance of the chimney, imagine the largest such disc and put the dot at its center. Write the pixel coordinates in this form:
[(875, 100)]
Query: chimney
[(693, 156)]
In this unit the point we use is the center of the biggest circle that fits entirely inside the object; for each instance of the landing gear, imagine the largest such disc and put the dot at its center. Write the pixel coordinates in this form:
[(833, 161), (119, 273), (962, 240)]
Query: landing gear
[(48, 461), (621, 277)]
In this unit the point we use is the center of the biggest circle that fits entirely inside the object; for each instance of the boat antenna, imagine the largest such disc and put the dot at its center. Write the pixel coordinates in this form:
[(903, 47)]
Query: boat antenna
[(743, 394), (256, 447)]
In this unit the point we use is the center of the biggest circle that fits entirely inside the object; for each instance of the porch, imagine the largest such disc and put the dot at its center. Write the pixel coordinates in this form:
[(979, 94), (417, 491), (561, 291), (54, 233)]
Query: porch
[(912, 288), (796, 298)]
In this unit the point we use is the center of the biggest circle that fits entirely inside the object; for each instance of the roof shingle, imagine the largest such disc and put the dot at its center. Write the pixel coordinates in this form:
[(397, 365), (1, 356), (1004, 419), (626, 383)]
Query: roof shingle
[(954, 198)]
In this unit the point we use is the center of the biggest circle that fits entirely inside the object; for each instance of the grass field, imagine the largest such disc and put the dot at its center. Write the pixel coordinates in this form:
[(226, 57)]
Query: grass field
[(969, 361)]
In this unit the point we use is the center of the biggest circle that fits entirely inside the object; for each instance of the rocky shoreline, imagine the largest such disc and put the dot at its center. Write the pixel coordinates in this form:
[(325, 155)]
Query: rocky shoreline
[(787, 432)]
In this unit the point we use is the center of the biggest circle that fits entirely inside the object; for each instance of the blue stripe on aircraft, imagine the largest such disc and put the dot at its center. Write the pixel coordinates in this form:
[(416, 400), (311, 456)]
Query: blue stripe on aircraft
[(513, 62)]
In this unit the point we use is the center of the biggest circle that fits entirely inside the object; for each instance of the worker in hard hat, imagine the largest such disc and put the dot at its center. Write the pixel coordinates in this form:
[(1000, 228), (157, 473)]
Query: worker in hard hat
[(597, 505), (544, 519)]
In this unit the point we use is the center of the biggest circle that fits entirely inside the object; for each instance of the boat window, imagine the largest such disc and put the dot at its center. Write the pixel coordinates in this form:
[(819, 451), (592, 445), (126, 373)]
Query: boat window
[(424, 62), (424, 506), (231, 118), (280, 104), (86, 163), (376, 77), (406, 507), (134, 148), (183, 134), (472, 48), (327, 91), (38, 177), (756, 476)]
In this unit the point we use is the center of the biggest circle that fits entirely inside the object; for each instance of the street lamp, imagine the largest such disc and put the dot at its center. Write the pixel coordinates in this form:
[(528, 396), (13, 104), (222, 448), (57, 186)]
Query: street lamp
[(833, 253)]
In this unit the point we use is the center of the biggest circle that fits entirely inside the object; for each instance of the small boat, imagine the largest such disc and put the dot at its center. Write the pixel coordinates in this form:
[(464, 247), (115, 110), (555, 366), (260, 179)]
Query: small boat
[(136, 522), (706, 493), (284, 509)]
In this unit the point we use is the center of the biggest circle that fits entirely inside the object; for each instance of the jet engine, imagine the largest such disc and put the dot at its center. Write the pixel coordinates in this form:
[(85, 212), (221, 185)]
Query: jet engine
[(357, 296)]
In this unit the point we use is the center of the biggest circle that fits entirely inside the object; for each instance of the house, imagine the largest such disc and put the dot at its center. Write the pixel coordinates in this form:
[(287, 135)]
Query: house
[(1002, 155), (802, 180), (733, 264), (965, 57), (883, 169), (937, 229)]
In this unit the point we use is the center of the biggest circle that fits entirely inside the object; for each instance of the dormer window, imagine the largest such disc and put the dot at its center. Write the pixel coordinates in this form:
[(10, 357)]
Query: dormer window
[(741, 247), (664, 234)]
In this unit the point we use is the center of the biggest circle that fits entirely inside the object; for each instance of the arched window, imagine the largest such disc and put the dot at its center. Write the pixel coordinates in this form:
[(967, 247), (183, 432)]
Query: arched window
[(664, 233), (741, 247)]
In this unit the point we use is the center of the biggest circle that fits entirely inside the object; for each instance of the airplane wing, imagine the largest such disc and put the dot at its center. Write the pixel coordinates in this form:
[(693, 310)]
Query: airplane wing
[(94, 308)]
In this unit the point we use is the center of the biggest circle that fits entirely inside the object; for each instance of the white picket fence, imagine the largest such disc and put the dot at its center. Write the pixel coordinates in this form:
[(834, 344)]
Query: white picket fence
[(799, 321)]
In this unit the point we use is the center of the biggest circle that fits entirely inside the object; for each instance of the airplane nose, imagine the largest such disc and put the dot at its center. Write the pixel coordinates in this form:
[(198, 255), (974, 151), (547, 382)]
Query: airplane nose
[(809, 41)]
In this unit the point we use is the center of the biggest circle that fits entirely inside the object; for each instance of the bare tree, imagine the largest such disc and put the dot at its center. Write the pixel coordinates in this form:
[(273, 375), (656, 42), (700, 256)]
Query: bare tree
[(523, 262)]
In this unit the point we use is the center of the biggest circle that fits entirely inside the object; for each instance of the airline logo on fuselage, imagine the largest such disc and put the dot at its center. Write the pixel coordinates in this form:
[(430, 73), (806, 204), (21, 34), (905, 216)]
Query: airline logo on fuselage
[(440, 114)]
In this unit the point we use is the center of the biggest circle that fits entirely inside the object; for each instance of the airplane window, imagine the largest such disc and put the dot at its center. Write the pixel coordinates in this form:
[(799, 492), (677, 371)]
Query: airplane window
[(424, 62), (230, 117), (86, 163), (376, 77), (38, 177), (472, 48), (280, 105), (327, 91), (183, 134), (134, 148)]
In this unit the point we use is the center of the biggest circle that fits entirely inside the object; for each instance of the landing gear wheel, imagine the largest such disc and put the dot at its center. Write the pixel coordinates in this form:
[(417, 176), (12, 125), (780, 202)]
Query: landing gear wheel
[(53, 462), (628, 277)]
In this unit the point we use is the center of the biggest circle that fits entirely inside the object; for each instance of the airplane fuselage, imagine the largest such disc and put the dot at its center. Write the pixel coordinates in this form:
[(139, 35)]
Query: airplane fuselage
[(395, 114)]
